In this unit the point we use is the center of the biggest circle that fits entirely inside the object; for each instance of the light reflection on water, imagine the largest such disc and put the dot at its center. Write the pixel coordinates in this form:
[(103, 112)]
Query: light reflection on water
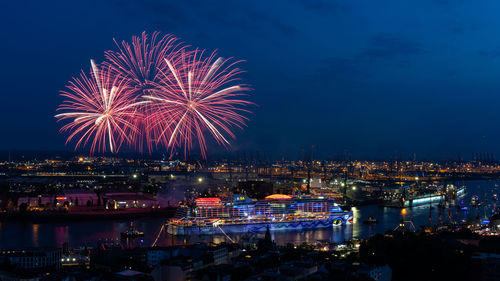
[(35, 234), (22, 235)]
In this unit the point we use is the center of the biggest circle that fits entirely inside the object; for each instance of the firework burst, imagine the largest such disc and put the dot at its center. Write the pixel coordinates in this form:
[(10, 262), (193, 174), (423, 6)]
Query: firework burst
[(102, 110), (140, 64), (153, 90), (194, 97)]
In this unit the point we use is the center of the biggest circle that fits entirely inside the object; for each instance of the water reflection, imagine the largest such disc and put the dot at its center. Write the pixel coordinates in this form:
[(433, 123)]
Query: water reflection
[(61, 235), (34, 235), (334, 234), (21, 235)]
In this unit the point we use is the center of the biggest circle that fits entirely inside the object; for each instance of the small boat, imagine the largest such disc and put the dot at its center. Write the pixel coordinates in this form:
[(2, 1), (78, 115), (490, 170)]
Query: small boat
[(131, 232), (370, 220)]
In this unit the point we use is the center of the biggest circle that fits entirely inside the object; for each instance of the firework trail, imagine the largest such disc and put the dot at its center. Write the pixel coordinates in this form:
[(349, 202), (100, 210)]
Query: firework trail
[(141, 64), (101, 108), (155, 91), (194, 97)]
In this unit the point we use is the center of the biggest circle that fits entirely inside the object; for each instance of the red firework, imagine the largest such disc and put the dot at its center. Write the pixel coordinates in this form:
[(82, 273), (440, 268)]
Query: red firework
[(193, 97), (101, 109), (155, 90), (140, 64)]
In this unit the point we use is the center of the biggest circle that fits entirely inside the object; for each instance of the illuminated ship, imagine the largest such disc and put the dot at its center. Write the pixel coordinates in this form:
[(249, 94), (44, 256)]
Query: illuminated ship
[(241, 214), (413, 200), (438, 195)]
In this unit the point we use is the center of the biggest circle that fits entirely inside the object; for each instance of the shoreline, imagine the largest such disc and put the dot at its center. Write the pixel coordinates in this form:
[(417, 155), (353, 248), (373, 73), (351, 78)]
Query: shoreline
[(85, 215)]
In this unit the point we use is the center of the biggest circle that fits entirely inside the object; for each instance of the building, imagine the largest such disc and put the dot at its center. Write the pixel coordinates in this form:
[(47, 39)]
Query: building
[(486, 265), (156, 255), (18, 276), (130, 200), (78, 197), (219, 254), (34, 201), (35, 258)]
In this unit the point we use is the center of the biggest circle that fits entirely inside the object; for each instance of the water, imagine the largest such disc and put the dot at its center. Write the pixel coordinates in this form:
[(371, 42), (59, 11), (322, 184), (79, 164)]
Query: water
[(22, 235)]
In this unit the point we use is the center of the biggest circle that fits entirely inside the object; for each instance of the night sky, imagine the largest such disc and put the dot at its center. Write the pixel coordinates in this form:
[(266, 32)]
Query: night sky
[(371, 78)]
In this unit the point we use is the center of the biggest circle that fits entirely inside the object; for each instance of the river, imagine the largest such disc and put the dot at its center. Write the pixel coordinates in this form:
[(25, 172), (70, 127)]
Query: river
[(88, 233)]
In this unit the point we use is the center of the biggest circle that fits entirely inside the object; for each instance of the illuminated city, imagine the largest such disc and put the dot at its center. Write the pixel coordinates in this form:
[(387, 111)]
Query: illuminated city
[(250, 140)]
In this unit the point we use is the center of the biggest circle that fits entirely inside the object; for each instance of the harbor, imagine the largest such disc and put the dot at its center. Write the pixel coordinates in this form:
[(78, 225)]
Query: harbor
[(26, 234)]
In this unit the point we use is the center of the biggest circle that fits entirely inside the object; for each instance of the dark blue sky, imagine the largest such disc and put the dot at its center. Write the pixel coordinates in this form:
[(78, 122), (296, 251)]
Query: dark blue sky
[(368, 77)]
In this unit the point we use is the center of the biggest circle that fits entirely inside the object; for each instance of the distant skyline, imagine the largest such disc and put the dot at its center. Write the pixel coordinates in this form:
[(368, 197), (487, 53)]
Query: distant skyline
[(373, 79), (254, 155)]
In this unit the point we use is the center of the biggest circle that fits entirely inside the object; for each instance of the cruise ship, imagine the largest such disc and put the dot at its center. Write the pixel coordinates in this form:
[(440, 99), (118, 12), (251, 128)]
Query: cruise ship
[(239, 214)]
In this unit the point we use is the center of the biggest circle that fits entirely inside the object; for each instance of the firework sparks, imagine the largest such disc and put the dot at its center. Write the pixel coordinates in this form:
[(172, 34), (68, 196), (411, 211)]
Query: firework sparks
[(140, 64), (101, 109), (156, 91), (194, 97)]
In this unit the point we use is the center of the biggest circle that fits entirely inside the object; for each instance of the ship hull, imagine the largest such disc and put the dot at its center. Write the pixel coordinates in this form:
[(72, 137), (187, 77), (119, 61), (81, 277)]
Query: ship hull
[(414, 202), (215, 229), (423, 200)]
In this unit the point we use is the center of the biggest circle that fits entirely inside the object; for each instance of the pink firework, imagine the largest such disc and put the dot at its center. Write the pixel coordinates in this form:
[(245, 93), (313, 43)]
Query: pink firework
[(101, 109), (193, 97), (140, 64)]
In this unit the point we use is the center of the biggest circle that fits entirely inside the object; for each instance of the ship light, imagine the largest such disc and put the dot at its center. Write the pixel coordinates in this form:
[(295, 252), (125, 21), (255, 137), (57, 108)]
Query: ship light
[(278, 197)]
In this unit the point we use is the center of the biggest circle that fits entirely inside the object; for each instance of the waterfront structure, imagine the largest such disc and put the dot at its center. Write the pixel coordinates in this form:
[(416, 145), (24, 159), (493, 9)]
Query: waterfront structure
[(242, 214), (78, 197), (127, 200), (34, 201)]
